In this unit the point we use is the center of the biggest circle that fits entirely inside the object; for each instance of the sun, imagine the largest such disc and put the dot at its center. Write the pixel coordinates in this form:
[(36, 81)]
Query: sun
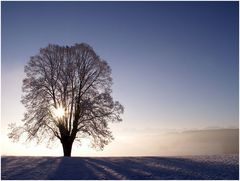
[(58, 112)]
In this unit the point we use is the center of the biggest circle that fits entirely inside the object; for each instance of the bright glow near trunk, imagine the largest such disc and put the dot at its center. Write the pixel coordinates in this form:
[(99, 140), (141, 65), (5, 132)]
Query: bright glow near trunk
[(58, 112)]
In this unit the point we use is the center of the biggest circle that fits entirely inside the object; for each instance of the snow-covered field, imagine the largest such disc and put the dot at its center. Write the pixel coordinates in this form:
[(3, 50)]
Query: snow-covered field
[(188, 167)]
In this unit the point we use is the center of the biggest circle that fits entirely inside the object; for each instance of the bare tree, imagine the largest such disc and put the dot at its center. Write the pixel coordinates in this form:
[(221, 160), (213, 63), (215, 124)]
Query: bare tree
[(67, 95)]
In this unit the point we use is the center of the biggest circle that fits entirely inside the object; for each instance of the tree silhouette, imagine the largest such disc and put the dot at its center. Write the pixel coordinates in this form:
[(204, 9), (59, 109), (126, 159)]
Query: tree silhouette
[(67, 95)]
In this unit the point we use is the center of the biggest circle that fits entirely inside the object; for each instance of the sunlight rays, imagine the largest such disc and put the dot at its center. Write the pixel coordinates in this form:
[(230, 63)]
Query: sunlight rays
[(58, 112)]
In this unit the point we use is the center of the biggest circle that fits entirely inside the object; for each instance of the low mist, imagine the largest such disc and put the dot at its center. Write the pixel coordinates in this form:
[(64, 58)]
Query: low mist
[(203, 142), (144, 143), (195, 142)]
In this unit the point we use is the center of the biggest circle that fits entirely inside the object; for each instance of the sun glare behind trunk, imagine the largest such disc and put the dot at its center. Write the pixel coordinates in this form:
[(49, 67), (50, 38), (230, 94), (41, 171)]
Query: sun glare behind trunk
[(58, 112)]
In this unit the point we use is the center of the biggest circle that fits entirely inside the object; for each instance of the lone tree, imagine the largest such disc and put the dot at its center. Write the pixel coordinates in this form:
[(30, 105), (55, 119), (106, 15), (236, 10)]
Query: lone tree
[(67, 95)]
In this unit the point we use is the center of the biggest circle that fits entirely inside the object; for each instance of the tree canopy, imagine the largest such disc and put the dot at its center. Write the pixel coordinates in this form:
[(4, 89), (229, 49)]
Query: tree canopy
[(67, 96)]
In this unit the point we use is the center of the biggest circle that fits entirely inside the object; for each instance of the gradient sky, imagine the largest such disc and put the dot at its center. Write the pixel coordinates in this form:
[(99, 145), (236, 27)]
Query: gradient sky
[(174, 64)]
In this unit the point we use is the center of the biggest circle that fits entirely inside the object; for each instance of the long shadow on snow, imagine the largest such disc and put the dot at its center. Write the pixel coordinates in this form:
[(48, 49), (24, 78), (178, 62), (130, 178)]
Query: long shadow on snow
[(143, 168), (73, 168), (26, 170), (116, 168)]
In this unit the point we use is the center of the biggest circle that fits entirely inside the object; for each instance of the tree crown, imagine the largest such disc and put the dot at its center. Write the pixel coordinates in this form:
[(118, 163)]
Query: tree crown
[(74, 81)]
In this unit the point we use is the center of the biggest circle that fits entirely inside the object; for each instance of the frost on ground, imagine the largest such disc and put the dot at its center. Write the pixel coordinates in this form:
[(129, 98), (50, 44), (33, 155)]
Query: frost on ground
[(191, 167)]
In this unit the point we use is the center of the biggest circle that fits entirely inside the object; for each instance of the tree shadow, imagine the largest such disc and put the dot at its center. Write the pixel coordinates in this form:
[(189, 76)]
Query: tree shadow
[(140, 168), (115, 168), (73, 168), (28, 168)]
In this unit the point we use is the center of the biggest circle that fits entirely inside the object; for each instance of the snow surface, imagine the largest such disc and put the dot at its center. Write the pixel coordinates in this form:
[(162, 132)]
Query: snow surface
[(64, 168)]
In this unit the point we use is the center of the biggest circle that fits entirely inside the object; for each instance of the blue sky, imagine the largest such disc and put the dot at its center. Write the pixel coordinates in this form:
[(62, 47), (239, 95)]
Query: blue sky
[(174, 64)]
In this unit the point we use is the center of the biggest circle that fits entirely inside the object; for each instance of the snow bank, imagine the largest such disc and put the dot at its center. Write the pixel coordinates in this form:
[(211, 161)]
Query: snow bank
[(191, 167)]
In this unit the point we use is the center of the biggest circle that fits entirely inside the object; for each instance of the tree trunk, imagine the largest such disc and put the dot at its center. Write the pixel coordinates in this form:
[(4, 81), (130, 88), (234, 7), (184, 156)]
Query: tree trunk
[(67, 146)]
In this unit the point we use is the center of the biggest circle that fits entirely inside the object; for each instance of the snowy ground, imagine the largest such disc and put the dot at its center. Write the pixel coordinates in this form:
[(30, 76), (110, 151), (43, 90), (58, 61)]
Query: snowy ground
[(191, 167)]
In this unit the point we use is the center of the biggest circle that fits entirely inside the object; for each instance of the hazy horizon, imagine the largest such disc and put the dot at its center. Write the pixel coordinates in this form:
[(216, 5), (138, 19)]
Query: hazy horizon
[(174, 66), (171, 143)]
